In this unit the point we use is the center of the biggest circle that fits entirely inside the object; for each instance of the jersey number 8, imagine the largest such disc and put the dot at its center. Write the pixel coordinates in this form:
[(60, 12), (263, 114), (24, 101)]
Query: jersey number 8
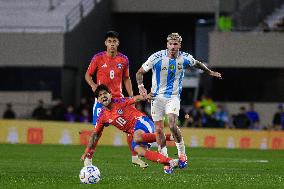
[(111, 74)]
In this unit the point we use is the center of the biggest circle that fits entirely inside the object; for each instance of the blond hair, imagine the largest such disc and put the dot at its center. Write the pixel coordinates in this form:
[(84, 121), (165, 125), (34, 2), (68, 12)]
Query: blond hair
[(174, 36)]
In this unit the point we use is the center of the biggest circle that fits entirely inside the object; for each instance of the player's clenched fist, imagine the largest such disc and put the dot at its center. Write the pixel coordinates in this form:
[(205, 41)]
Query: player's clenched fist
[(150, 96)]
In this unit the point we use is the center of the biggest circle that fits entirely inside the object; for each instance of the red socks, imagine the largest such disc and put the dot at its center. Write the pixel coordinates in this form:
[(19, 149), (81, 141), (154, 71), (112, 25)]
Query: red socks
[(156, 157), (148, 137), (151, 137)]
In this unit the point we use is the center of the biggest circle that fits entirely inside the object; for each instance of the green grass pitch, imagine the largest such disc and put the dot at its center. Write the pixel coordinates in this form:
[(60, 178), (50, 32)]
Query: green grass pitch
[(58, 166)]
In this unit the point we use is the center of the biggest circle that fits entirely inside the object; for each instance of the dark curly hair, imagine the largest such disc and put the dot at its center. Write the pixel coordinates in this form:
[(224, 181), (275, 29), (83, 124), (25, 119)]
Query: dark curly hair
[(112, 34), (100, 88)]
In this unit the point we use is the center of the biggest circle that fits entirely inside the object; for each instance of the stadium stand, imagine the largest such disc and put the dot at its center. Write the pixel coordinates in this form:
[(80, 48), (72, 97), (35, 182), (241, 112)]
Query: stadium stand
[(23, 102), (42, 15), (47, 36), (275, 21), (61, 36)]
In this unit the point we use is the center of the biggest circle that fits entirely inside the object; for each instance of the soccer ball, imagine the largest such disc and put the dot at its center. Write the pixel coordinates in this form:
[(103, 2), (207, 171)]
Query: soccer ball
[(90, 175)]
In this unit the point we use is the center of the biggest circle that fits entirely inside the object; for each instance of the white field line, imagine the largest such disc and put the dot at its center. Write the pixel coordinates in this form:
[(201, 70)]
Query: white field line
[(235, 160)]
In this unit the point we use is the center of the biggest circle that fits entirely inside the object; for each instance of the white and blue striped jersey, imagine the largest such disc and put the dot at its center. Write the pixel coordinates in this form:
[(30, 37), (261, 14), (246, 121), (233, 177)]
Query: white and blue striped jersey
[(167, 73)]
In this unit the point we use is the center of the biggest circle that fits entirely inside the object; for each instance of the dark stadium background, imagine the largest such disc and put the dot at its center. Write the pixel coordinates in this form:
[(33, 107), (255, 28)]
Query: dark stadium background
[(141, 35), (56, 61)]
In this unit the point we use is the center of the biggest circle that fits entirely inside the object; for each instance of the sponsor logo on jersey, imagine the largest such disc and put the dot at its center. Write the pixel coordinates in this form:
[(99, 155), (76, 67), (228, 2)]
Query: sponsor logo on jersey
[(110, 120), (119, 65), (104, 66), (172, 67), (164, 68), (120, 111)]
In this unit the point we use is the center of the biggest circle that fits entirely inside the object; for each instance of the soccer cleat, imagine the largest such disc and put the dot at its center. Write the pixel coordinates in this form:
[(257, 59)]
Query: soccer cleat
[(168, 169), (182, 161), (87, 161), (137, 161), (174, 163)]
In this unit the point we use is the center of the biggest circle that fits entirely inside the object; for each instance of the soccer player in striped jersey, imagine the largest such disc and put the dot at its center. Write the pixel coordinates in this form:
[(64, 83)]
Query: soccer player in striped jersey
[(111, 69), (168, 68), (120, 113)]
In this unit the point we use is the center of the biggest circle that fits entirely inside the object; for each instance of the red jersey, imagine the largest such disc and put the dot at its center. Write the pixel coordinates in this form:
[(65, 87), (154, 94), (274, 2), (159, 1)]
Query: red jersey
[(110, 71), (122, 115)]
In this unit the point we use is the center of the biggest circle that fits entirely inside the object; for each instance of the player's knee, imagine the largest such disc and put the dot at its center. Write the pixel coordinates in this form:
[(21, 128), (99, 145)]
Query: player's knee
[(172, 123), (137, 138), (139, 150), (171, 126)]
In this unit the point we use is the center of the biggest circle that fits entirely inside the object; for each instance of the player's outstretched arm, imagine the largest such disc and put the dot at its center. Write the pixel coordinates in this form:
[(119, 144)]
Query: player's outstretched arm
[(138, 98), (203, 67)]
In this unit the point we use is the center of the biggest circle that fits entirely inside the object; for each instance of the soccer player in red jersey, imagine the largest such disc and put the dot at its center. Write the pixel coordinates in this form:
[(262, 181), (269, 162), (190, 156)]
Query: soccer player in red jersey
[(111, 69), (120, 113)]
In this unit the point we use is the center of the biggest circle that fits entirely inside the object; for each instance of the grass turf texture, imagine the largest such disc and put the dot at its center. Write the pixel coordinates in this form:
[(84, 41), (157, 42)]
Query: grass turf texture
[(57, 166)]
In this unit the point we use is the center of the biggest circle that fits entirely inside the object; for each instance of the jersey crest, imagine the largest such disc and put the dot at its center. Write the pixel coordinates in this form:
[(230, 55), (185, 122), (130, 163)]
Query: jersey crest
[(172, 67), (119, 66), (120, 111)]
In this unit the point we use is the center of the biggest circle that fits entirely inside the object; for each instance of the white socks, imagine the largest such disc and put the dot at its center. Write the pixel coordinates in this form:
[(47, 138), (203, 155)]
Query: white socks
[(180, 147), (87, 162), (134, 158), (163, 150)]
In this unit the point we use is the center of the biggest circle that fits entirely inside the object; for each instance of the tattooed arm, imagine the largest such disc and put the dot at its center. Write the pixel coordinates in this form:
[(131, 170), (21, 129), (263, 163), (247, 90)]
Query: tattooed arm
[(203, 67), (139, 79), (91, 147), (93, 140)]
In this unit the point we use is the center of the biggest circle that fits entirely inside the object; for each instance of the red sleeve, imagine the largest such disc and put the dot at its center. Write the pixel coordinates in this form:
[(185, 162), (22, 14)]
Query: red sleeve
[(126, 68), (99, 126), (129, 101), (93, 66), (126, 101)]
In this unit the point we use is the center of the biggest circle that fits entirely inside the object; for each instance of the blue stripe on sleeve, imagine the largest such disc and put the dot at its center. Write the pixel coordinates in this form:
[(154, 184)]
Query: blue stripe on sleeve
[(186, 63)]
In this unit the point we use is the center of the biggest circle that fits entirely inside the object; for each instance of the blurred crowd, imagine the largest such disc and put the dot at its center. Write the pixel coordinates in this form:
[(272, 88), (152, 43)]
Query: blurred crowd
[(205, 113), (57, 112), (277, 26)]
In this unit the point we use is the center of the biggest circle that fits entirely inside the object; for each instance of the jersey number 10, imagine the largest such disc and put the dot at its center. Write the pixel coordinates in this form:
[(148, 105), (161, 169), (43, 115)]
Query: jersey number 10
[(120, 121)]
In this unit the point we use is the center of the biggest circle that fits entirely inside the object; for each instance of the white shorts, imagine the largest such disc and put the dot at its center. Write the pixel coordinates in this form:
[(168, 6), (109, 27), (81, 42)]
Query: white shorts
[(161, 106)]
